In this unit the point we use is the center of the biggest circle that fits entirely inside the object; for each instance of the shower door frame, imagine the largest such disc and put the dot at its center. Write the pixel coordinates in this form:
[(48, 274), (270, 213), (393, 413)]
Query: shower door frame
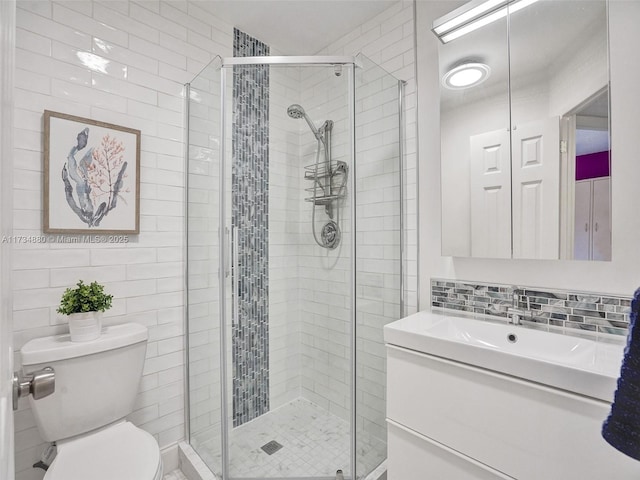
[(7, 61), (225, 254)]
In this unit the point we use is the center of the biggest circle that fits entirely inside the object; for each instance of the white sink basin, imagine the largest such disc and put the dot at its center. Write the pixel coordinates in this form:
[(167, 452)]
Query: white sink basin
[(585, 366)]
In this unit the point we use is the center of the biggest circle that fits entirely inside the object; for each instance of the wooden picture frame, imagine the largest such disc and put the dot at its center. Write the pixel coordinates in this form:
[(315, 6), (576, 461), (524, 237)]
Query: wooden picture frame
[(91, 176)]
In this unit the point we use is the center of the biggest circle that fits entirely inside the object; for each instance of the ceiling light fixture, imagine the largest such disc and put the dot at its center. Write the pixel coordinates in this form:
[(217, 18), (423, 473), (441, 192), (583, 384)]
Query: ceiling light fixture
[(466, 75), (474, 15)]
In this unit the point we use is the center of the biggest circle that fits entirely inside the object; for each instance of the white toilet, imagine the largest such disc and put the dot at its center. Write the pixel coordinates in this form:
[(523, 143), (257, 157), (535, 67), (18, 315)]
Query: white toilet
[(96, 384)]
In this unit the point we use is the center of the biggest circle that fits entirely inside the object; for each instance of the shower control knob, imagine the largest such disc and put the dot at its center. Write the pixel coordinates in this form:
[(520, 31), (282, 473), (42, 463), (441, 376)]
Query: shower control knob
[(330, 235)]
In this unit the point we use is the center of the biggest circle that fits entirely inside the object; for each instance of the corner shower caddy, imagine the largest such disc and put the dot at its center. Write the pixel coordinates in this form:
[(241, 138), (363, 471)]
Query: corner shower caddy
[(329, 183)]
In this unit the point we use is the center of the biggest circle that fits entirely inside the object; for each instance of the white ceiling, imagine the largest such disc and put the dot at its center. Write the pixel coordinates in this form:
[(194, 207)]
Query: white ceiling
[(298, 27)]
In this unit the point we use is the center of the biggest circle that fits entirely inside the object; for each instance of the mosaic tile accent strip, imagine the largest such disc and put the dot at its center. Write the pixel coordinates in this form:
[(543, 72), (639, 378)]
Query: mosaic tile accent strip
[(592, 312), (250, 207)]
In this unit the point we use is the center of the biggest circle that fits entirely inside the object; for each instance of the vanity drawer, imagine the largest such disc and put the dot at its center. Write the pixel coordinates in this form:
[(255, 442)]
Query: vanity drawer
[(415, 457), (526, 430)]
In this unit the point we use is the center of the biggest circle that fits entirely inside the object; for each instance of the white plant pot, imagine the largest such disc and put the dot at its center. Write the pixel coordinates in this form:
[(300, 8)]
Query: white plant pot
[(85, 327)]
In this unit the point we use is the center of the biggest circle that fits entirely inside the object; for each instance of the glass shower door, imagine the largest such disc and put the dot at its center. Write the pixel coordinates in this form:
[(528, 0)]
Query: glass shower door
[(378, 149), (203, 264), (294, 218), (289, 368)]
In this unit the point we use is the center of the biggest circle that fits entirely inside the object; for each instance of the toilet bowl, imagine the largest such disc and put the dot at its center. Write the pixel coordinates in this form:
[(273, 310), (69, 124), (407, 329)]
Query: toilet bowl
[(96, 384), (119, 452)]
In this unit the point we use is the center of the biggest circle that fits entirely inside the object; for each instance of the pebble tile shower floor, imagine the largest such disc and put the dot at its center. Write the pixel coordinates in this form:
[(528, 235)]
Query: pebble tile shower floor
[(315, 444)]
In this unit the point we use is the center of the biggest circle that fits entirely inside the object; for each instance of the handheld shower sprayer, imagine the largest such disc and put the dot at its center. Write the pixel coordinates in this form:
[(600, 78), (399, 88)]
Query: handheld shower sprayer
[(296, 111)]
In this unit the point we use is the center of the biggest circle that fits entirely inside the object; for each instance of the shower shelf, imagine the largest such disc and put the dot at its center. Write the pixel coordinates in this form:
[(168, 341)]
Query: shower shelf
[(324, 191), (323, 172), (324, 199)]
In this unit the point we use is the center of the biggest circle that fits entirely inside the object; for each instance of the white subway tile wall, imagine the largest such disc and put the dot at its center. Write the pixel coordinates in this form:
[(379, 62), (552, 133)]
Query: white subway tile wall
[(388, 40), (124, 63)]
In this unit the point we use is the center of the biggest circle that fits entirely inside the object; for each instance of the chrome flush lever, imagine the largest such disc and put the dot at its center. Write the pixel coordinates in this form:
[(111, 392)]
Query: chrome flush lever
[(40, 384)]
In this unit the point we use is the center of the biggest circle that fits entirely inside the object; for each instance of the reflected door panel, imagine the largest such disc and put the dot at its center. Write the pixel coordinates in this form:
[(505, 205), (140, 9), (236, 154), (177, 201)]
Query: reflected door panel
[(536, 189), (592, 237), (601, 208), (582, 233), (490, 195)]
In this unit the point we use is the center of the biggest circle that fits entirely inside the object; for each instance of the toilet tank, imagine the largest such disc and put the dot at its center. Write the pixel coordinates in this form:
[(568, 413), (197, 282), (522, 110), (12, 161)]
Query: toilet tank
[(96, 382)]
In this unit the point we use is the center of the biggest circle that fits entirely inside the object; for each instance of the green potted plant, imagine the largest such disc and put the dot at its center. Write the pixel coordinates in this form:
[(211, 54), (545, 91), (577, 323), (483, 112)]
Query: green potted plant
[(84, 306)]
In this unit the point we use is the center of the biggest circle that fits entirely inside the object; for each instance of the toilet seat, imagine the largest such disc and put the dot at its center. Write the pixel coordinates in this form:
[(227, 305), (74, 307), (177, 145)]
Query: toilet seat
[(120, 452)]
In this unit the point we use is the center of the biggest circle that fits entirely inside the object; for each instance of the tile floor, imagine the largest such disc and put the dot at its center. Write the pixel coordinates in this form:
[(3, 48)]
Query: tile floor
[(315, 444)]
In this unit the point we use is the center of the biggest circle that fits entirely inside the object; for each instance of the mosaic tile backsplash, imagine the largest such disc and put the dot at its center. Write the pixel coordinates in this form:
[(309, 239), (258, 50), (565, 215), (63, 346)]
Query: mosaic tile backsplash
[(585, 311), (250, 210)]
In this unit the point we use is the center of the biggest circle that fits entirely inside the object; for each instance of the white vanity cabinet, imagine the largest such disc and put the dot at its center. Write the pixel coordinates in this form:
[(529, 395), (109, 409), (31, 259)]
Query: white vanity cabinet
[(454, 421)]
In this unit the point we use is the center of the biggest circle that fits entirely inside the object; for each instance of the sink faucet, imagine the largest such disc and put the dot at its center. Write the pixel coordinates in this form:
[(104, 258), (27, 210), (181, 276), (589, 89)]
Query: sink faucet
[(515, 314)]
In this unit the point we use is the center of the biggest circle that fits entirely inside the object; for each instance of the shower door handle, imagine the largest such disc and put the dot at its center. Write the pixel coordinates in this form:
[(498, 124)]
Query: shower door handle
[(233, 254), (227, 257)]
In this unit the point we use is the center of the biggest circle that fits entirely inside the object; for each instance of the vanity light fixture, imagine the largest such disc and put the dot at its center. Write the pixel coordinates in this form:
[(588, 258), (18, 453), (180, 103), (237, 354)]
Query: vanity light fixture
[(474, 15), (466, 75)]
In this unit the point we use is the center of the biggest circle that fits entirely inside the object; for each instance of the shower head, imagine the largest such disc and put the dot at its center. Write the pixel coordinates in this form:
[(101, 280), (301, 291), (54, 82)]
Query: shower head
[(296, 111)]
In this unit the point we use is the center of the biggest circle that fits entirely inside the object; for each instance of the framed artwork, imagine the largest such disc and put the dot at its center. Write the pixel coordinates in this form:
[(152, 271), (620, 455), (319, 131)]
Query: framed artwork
[(91, 176)]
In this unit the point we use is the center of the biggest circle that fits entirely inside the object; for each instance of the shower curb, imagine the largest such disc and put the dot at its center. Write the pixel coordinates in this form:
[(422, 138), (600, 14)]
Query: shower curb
[(380, 472), (169, 455), (192, 465), (194, 468)]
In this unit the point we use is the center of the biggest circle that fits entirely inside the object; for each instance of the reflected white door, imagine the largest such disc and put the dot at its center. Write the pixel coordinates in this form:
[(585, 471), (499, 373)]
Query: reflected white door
[(490, 195), (593, 219), (601, 219), (536, 189), (582, 224)]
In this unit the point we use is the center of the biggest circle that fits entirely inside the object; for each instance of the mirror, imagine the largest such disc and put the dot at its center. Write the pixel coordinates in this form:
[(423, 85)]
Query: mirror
[(588, 236), (525, 153)]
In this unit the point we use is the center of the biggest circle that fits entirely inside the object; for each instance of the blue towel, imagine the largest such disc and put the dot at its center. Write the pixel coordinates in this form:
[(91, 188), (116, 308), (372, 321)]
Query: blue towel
[(622, 428)]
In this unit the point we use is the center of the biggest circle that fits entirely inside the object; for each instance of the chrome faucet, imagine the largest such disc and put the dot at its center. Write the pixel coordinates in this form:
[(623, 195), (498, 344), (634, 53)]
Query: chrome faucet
[(515, 314)]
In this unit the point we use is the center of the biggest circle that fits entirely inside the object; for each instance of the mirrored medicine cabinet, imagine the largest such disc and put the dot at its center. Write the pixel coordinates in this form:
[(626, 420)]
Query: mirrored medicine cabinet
[(524, 114)]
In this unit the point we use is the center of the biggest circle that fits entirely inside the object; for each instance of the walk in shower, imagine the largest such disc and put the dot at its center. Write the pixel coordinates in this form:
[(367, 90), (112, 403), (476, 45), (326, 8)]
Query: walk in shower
[(293, 263)]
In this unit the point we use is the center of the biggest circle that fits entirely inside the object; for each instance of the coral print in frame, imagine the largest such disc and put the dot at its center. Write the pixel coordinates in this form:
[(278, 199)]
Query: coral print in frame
[(91, 176)]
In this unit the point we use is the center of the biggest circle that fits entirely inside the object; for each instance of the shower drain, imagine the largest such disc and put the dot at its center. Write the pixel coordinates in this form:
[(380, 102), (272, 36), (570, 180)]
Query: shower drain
[(271, 447)]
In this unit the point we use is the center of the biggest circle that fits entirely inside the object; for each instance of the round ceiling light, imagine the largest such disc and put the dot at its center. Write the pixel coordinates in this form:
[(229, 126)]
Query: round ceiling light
[(466, 75)]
